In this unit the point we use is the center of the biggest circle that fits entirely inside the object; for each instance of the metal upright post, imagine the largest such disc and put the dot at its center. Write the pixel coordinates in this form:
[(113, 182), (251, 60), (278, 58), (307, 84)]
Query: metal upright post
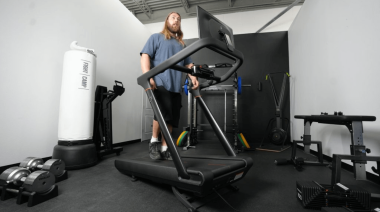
[(189, 116), (235, 121), (194, 136), (307, 137), (225, 110), (357, 141), (194, 113)]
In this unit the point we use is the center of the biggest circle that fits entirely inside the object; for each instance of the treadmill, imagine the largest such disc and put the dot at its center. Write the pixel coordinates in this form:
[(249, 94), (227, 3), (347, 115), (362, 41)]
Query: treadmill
[(198, 175)]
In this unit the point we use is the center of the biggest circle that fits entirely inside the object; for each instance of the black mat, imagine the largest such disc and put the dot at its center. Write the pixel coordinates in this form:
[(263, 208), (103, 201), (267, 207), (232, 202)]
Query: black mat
[(266, 187)]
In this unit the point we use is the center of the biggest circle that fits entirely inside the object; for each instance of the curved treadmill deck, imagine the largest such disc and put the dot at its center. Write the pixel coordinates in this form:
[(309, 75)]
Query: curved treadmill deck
[(210, 172)]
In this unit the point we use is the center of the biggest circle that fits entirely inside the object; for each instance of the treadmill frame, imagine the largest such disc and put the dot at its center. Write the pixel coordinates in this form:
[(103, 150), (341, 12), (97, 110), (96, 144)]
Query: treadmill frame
[(143, 80)]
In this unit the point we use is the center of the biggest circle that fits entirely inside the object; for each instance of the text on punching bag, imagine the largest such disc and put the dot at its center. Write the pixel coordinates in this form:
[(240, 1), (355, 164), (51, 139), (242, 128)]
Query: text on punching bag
[(84, 75), (84, 81)]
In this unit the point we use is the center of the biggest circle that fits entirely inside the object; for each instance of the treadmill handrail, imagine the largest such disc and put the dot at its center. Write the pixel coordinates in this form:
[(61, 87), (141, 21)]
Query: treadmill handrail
[(212, 44), (193, 182)]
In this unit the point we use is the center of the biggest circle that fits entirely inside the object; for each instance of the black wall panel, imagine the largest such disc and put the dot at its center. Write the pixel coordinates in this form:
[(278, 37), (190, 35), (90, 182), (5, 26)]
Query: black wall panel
[(263, 53)]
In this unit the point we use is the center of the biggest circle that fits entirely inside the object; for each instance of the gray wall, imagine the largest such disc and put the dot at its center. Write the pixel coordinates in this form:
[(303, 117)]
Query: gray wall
[(334, 62), (255, 108), (34, 37)]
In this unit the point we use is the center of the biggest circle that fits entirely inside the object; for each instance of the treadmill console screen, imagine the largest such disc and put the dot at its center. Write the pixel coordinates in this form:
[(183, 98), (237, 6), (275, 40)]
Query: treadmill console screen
[(211, 27)]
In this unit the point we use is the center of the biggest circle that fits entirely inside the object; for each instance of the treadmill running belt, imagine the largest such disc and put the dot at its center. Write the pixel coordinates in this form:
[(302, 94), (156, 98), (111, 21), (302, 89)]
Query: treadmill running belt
[(215, 171)]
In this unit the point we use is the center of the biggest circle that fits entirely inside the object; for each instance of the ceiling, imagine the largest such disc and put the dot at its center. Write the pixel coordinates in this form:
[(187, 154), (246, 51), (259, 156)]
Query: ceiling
[(151, 11)]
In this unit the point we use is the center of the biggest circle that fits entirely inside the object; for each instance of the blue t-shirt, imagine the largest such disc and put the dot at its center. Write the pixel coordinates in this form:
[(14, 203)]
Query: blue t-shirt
[(160, 49)]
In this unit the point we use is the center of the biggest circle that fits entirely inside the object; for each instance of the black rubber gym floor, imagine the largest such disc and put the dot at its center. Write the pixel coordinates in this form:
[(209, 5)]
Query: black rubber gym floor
[(266, 187)]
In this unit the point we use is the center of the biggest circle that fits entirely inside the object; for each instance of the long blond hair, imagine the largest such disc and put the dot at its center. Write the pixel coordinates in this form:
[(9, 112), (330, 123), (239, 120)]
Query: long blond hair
[(166, 31)]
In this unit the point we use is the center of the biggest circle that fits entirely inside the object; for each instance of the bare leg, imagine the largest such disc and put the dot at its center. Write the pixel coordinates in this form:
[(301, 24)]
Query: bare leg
[(163, 139), (156, 129), (154, 151)]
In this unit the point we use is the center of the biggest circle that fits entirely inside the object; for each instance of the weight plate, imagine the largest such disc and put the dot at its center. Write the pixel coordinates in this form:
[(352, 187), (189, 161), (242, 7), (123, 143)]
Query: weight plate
[(31, 163), (181, 138), (277, 136), (241, 141), (185, 86), (54, 166), (239, 85), (14, 174), (39, 182)]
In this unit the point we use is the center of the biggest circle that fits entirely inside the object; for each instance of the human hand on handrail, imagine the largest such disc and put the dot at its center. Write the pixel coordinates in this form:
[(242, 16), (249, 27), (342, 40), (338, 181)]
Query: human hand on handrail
[(194, 80)]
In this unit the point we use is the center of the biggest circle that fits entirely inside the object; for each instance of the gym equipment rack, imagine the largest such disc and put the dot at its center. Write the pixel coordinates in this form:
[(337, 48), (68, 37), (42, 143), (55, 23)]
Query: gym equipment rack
[(315, 196), (9, 191), (191, 131)]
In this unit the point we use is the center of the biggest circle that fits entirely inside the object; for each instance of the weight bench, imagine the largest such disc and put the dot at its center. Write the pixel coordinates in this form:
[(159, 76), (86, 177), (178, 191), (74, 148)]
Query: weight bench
[(354, 125), (357, 155)]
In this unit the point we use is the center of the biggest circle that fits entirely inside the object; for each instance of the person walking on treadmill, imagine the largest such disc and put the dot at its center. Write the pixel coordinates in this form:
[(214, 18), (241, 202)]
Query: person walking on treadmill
[(166, 85)]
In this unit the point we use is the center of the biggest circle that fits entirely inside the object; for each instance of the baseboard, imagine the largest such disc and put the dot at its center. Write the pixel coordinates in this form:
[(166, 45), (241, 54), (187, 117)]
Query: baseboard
[(3, 168), (370, 176)]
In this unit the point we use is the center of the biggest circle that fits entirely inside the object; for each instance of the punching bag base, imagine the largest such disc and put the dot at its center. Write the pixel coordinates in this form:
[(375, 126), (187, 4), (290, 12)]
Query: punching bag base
[(76, 157)]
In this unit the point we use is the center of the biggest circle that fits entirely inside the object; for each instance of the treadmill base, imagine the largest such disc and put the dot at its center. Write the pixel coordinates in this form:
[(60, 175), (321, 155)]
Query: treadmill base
[(187, 199), (184, 199)]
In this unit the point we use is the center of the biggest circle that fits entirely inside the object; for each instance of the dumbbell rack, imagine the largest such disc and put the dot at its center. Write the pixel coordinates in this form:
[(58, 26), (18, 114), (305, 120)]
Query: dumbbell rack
[(62, 177), (9, 191), (313, 195)]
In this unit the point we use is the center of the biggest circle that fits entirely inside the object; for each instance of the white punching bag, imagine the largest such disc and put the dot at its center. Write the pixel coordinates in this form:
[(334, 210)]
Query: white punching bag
[(76, 110)]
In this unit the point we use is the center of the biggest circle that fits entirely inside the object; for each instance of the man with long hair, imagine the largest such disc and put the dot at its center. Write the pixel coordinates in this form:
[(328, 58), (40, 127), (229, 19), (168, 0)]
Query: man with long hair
[(167, 85)]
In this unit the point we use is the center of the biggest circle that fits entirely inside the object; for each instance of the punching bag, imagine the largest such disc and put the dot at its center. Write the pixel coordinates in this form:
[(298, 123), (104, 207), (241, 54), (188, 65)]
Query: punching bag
[(76, 110)]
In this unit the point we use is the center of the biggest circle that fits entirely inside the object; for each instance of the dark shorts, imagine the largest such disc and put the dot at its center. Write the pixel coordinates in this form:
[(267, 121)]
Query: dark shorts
[(169, 104)]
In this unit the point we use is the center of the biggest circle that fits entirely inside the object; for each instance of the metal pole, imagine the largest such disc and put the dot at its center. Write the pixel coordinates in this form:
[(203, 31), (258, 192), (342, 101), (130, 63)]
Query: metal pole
[(279, 15), (194, 113), (189, 116), (235, 111), (225, 111)]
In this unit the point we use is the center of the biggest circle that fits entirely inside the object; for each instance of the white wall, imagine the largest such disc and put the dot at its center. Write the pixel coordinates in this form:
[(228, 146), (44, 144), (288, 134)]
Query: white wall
[(240, 22), (334, 64), (34, 37)]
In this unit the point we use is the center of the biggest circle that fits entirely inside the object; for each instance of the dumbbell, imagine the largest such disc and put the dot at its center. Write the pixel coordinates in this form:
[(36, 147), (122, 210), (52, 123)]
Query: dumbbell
[(38, 181), (54, 166)]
